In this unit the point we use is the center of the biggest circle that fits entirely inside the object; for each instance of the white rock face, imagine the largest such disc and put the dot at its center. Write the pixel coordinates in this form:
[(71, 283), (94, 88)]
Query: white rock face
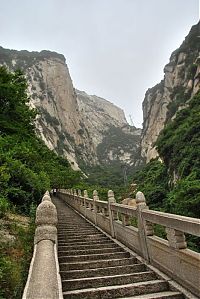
[(70, 122), (181, 79), (101, 117)]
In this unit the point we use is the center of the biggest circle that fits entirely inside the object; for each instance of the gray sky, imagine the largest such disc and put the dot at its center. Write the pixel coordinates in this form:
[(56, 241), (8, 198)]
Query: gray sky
[(115, 49)]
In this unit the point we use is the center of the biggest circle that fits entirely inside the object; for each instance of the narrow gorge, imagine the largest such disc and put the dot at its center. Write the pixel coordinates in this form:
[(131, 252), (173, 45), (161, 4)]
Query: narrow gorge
[(87, 130), (91, 131)]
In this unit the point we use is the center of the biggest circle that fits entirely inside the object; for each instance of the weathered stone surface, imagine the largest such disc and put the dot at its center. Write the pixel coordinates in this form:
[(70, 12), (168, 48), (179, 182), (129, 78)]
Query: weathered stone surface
[(46, 214), (43, 282), (178, 76), (103, 269), (103, 119), (70, 122), (45, 232)]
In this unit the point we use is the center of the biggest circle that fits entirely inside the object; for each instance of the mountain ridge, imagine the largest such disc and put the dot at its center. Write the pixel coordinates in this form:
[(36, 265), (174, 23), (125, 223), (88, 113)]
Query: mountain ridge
[(66, 123), (180, 83)]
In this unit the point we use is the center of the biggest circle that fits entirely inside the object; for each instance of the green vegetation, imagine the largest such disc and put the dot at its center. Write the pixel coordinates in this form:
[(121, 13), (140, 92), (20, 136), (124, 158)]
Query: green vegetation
[(27, 169), (178, 98), (152, 180), (104, 178), (25, 59), (27, 166), (15, 253), (179, 147), (115, 140), (173, 186)]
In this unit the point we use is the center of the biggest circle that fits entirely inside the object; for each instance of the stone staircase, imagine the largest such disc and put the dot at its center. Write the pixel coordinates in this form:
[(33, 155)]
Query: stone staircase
[(92, 265)]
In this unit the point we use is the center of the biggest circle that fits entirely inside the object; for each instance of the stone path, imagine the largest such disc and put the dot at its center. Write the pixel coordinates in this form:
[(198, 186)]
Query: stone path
[(93, 266)]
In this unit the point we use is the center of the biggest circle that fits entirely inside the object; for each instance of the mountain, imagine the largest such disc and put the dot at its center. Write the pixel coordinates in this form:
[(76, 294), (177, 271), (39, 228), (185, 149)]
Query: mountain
[(87, 130), (112, 137), (181, 82)]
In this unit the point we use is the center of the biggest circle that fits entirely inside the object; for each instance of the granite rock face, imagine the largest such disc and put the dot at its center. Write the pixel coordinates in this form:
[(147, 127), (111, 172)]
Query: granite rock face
[(70, 122), (181, 81), (112, 137)]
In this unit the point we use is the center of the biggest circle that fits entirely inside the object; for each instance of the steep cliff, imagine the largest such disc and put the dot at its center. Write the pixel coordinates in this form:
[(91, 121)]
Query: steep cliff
[(51, 91), (181, 81), (71, 122), (113, 138)]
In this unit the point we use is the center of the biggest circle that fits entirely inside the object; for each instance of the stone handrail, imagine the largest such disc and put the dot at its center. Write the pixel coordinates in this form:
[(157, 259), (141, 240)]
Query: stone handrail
[(182, 223), (44, 279), (170, 256), (124, 209)]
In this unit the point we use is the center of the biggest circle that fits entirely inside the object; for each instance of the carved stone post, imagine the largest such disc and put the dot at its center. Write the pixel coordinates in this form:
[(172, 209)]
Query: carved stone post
[(79, 195), (125, 220), (176, 238), (149, 228), (141, 205), (105, 212), (111, 199), (42, 281), (74, 203), (95, 197), (85, 194)]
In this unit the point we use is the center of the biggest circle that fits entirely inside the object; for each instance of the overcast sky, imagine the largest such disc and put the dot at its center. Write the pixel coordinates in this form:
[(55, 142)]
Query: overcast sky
[(115, 49)]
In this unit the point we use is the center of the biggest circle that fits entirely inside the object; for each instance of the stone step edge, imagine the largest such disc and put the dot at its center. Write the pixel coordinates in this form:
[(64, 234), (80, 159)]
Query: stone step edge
[(84, 241), (154, 295), (100, 261), (88, 250), (93, 245), (91, 242), (93, 255), (123, 286), (103, 268), (107, 276)]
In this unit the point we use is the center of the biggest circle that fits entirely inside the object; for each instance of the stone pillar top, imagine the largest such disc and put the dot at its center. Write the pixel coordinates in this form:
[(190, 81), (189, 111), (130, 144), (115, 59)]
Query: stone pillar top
[(46, 197), (95, 195), (140, 198), (111, 196), (46, 213), (85, 193)]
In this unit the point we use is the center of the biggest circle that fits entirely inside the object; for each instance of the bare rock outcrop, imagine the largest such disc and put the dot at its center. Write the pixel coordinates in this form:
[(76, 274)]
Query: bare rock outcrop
[(70, 122), (181, 81)]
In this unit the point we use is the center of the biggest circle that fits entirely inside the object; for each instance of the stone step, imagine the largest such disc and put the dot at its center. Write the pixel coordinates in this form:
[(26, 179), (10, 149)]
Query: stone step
[(160, 295), (66, 246), (103, 271), (83, 242), (84, 226), (93, 266), (65, 266), (89, 251), (138, 288), (79, 233), (93, 257), (80, 236), (76, 228), (96, 282)]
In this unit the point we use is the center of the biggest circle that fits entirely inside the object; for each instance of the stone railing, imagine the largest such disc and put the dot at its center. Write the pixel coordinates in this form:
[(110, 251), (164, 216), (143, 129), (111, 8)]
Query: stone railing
[(170, 256), (44, 279)]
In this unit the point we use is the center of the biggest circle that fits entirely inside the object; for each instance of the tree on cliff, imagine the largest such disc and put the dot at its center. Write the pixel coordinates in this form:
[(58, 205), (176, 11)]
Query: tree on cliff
[(27, 166), (15, 114)]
